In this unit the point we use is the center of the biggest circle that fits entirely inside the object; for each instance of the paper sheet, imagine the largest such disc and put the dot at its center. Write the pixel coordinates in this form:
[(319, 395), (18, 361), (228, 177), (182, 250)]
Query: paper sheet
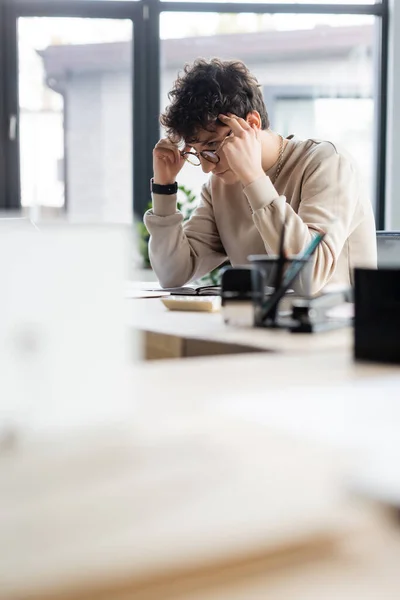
[(144, 289)]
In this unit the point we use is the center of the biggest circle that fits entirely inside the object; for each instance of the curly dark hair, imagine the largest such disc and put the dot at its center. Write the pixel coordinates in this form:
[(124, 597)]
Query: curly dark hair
[(207, 89)]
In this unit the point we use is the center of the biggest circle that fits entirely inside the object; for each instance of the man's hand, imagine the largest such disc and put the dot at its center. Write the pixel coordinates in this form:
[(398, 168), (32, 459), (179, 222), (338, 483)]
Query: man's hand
[(242, 149), (167, 162)]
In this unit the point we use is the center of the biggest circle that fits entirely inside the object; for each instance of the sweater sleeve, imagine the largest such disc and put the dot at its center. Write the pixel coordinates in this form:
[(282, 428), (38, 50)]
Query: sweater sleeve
[(180, 252), (329, 200)]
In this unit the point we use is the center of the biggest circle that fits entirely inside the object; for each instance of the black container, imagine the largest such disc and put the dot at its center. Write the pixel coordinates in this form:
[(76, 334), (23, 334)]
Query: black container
[(377, 315), (242, 293), (268, 264)]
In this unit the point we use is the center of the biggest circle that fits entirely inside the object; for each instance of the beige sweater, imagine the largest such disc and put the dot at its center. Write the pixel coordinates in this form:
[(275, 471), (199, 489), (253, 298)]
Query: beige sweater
[(316, 186)]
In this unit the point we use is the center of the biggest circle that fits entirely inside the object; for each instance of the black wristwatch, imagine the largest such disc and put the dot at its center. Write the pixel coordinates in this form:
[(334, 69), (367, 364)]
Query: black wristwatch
[(167, 190)]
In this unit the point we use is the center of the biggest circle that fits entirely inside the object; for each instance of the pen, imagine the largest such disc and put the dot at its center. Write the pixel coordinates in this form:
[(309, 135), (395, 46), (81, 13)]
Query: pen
[(291, 274), (279, 269)]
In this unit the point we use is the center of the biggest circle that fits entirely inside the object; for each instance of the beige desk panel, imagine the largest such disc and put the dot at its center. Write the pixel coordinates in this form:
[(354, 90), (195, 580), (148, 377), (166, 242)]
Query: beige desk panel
[(160, 324)]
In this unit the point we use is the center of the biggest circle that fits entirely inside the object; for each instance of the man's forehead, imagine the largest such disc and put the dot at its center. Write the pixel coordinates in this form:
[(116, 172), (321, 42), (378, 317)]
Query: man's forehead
[(204, 135)]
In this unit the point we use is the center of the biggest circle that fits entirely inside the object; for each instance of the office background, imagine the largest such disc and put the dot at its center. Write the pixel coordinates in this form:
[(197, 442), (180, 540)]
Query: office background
[(82, 83)]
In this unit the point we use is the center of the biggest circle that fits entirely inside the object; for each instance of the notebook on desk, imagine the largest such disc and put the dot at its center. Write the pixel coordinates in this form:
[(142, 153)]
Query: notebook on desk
[(152, 289), (191, 290)]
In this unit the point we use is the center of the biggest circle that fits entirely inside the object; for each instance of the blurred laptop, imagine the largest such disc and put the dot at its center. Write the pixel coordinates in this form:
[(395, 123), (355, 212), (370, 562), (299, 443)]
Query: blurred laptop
[(63, 333), (17, 223)]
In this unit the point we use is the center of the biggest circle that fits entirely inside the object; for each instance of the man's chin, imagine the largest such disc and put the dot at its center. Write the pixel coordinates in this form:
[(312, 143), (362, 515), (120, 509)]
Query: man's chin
[(228, 177)]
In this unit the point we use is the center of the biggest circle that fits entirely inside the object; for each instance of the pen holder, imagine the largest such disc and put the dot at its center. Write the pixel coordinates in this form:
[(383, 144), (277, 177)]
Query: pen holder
[(268, 264)]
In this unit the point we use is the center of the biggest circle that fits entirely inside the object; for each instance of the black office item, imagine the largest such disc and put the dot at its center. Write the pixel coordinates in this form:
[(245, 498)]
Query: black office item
[(377, 314), (242, 294), (315, 314), (279, 270), (298, 264), (168, 190)]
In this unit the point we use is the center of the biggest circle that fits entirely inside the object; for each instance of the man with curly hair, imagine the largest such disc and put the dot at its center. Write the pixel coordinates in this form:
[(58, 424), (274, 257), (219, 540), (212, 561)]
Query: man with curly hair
[(259, 180)]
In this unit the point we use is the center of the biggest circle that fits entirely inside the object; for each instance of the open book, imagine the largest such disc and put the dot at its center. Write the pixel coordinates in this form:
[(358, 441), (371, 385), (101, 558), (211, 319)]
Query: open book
[(152, 289), (190, 290)]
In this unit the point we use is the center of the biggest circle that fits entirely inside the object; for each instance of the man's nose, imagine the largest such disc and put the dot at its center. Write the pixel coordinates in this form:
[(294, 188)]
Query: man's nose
[(206, 165)]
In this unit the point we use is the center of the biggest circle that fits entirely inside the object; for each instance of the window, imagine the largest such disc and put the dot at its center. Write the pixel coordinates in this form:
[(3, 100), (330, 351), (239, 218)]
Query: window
[(75, 80), (317, 72), (322, 67)]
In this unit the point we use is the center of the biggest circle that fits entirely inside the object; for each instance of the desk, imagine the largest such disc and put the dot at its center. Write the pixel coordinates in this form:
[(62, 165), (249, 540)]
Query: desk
[(296, 369), (177, 334), (366, 569)]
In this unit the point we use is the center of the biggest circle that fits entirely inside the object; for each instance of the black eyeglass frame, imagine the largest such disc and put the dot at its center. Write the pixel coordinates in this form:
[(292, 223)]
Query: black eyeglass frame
[(214, 158)]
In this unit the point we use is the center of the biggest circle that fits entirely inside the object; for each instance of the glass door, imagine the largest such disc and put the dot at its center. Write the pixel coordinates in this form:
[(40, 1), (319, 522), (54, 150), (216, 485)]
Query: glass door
[(73, 121), (75, 111)]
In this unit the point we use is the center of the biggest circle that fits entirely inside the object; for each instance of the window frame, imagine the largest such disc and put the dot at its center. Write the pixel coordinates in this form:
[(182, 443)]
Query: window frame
[(138, 12), (3, 118), (145, 15)]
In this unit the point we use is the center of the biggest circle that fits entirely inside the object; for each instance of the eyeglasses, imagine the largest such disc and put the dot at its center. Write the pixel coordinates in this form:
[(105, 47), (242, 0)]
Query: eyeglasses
[(211, 155)]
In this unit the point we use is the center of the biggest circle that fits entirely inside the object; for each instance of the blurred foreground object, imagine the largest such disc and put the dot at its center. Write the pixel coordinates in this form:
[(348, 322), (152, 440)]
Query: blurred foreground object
[(145, 511), (63, 337)]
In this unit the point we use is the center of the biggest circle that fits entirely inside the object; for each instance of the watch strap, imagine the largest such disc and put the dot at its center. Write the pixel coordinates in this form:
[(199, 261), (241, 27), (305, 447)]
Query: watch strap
[(168, 190)]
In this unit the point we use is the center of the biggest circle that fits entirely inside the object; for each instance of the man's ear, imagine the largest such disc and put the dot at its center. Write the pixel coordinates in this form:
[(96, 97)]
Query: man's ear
[(254, 119)]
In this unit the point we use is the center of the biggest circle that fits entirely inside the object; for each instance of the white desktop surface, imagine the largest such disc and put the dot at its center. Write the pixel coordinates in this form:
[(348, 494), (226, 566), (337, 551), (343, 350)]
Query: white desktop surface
[(205, 381), (301, 394), (150, 315), (307, 385)]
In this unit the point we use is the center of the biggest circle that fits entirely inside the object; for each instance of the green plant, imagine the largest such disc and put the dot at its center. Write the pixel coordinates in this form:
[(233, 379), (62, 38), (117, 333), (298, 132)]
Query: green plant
[(186, 203)]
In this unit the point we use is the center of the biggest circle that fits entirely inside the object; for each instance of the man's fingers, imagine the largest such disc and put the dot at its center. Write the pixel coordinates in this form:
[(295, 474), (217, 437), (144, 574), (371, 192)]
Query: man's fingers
[(163, 149), (167, 144), (233, 122), (242, 122), (229, 138), (255, 129)]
